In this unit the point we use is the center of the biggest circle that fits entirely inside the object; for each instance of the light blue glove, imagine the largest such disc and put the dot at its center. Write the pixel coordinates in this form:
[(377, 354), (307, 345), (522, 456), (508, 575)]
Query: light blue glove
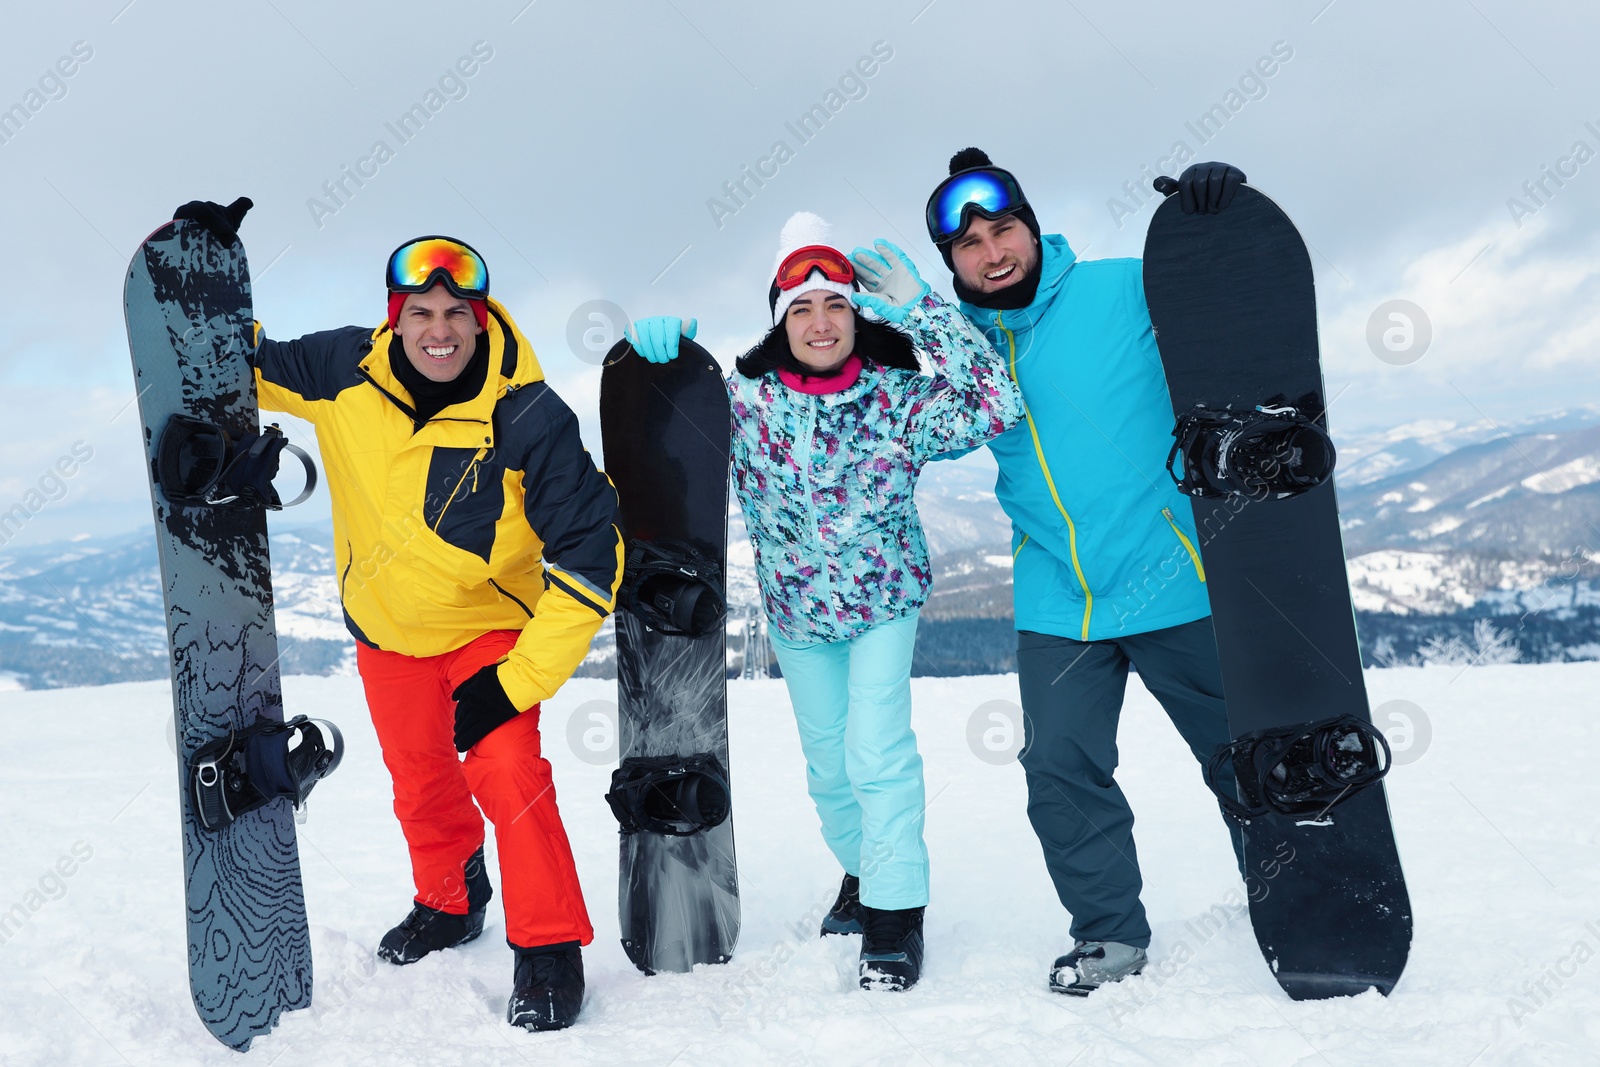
[(656, 338), (893, 285)]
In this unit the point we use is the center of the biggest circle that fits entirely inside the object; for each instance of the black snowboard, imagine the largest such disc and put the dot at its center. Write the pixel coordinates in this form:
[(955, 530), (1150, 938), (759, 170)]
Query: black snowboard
[(1234, 308), (666, 430), (189, 321)]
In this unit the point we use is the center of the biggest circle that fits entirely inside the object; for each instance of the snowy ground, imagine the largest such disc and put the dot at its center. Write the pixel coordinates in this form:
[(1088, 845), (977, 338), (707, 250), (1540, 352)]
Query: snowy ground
[(1495, 809)]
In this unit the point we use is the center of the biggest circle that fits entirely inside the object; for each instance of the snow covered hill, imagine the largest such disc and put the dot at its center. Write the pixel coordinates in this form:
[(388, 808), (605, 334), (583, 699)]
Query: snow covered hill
[(1493, 820), (1445, 526), (1534, 494), (1371, 457)]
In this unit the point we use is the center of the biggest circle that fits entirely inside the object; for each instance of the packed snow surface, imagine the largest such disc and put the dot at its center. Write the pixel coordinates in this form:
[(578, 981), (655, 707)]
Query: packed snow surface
[(1494, 800)]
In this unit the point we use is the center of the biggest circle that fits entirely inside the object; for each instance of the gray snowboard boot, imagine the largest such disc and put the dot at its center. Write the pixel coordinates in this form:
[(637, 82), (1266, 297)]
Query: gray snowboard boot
[(1091, 964)]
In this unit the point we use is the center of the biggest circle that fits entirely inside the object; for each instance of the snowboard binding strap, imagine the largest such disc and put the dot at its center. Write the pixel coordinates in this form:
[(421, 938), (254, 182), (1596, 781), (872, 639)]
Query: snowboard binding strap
[(268, 759), (197, 462), (673, 589), (1273, 452), (672, 795), (1300, 771)]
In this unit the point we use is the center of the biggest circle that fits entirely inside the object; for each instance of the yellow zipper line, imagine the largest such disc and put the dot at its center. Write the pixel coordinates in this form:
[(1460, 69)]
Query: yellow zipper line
[(1018, 552), (1199, 568), (1038, 448), (472, 470)]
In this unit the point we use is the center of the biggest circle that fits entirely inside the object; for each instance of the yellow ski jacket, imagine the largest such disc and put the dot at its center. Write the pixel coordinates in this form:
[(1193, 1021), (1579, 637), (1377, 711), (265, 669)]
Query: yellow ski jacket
[(491, 516)]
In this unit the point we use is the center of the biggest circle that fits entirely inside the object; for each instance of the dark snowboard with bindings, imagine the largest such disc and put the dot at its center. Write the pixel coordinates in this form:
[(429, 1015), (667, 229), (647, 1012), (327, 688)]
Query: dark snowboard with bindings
[(241, 767), (1234, 308), (666, 430)]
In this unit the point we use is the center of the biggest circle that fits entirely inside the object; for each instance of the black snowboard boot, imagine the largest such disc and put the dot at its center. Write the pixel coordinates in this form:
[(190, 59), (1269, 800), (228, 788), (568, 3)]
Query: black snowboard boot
[(547, 987), (891, 948), (427, 929), (845, 915)]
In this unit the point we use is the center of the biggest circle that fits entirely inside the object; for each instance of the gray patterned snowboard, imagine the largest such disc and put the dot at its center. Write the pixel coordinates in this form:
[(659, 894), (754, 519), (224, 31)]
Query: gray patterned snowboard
[(189, 322)]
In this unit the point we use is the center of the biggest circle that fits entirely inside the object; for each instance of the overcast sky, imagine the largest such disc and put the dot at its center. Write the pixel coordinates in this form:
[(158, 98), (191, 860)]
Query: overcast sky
[(588, 151)]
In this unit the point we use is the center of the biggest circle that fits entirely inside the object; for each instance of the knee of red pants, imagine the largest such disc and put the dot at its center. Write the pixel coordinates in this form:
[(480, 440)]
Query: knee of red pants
[(512, 783), (506, 771)]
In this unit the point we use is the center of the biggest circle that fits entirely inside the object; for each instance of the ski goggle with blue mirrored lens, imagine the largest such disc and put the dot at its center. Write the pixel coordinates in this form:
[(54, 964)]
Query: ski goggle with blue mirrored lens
[(416, 265), (987, 191)]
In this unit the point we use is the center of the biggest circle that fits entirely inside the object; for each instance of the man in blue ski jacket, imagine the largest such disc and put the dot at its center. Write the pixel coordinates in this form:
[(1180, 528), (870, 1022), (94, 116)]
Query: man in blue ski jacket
[(1106, 563)]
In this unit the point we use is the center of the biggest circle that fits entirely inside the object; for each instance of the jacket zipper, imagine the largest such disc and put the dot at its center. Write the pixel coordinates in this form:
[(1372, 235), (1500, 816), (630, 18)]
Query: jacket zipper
[(472, 469), (1038, 449), (1199, 568), (510, 597), (804, 456)]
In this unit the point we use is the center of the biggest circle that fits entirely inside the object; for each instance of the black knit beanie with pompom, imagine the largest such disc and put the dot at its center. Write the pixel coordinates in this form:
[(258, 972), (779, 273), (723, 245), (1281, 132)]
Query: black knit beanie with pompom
[(1012, 297)]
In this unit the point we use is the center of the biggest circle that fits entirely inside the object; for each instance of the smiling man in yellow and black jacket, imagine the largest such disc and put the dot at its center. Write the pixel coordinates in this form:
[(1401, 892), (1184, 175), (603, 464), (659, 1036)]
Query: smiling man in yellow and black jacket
[(478, 553)]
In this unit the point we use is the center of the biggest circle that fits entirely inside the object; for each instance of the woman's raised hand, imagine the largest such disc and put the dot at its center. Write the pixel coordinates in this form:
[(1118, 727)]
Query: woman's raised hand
[(893, 285), (656, 338)]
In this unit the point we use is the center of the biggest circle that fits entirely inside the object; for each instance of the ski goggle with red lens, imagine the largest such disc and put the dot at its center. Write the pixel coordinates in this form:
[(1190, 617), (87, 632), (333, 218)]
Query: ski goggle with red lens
[(798, 265), (987, 191), (416, 265)]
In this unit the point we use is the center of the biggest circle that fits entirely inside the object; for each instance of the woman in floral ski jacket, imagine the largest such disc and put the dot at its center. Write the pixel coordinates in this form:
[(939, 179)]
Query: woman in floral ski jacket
[(832, 425)]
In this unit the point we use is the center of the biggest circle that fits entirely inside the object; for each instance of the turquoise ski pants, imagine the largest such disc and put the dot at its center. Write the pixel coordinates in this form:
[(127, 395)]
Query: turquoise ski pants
[(852, 703)]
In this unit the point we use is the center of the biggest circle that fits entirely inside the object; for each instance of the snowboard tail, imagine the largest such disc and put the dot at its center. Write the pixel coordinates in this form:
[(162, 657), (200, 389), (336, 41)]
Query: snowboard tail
[(187, 302), (666, 430), (1232, 301)]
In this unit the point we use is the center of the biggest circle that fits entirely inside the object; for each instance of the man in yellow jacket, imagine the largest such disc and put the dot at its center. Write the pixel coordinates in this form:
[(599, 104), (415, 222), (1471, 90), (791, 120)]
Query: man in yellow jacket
[(478, 553)]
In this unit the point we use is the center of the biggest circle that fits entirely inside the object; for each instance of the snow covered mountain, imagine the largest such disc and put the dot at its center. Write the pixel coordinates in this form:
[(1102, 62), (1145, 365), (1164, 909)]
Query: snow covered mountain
[(1366, 458), (1511, 524), (1446, 527), (88, 612)]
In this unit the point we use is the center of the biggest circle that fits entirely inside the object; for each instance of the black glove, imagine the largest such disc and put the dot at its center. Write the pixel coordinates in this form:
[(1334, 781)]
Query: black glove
[(1207, 188), (482, 707), (222, 222)]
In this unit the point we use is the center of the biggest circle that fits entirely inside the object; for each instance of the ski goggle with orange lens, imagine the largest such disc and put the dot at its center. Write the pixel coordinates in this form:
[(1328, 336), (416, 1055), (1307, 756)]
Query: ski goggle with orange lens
[(987, 191), (798, 265), (416, 265)]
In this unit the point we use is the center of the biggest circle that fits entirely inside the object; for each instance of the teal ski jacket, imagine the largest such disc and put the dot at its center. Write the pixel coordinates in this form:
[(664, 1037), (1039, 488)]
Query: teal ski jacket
[(1103, 544)]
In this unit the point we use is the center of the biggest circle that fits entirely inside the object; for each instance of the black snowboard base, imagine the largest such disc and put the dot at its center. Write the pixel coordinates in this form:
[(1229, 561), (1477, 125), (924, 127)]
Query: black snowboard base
[(1325, 903), (1232, 300)]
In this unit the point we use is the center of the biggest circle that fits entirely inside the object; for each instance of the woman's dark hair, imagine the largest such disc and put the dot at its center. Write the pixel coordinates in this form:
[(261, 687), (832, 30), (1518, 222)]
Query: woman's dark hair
[(876, 342)]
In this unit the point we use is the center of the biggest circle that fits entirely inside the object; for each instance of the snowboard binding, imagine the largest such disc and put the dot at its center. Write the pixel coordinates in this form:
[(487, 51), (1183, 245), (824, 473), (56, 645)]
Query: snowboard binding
[(198, 462), (1272, 452), (1300, 771), (673, 589), (672, 795), (266, 760)]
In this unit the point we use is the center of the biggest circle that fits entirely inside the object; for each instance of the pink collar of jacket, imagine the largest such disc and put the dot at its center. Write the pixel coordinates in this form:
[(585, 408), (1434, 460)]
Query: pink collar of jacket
[(837, 382)]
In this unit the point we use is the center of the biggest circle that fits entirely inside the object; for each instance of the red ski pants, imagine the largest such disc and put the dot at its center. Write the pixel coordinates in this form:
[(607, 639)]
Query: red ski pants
[(434, 790)]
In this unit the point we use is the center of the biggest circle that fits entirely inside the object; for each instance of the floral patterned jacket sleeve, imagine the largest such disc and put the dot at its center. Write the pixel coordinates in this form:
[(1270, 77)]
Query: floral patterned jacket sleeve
[(972, 397)]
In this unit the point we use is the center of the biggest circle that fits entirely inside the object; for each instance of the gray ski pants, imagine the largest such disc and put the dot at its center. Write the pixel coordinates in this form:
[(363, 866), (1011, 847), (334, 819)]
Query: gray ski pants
[(1072, 695)]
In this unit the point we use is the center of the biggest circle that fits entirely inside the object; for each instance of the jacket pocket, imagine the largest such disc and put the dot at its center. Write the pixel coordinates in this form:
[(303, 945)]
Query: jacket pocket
[(1188, 545)]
